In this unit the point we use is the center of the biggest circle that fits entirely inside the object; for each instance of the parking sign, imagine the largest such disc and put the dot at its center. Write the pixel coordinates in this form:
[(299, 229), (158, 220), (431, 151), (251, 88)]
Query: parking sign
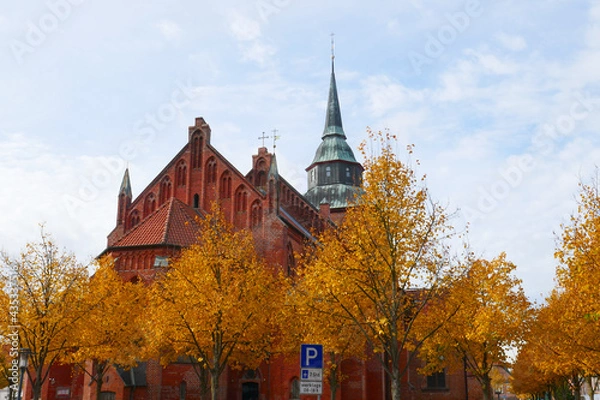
[(311, 356)]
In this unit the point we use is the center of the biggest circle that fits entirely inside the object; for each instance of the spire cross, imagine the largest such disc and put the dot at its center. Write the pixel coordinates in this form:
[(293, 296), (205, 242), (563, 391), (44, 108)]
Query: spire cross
[(275, 138), (263, 137)]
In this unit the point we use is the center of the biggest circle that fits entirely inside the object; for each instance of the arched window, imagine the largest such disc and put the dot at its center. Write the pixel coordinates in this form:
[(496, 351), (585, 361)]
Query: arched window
[(225, 188), (182, 390), (295, 389), (196, 200), (165, 190), (197, 145), (149, 204), (181, 173), (291, 261), (211, 171), (256, 213), (134, 218), (241, 198)]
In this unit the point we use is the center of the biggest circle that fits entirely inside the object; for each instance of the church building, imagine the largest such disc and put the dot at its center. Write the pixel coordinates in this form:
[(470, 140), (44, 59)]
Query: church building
[(161, 221)]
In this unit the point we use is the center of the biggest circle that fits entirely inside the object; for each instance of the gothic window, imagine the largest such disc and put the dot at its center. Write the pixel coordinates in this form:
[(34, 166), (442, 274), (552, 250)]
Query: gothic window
[(134, 218), (149, 204), (261, 179), (225, 189), (436, 380), (295, 389), (291, 261), (165, 190), (211, 171), (241, 198), (196, 200), (181, 173), (256, 216), (196, 150), (182, 390)]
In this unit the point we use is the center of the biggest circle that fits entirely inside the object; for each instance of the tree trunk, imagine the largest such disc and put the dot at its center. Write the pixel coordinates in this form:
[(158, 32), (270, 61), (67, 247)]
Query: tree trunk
[(214, 383), (395, 382), (37, 384), (486, 386), (97, 377), (334, 382)]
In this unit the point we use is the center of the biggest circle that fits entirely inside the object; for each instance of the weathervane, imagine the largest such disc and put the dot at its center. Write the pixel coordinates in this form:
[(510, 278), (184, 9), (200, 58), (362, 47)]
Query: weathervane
[(275, 138)]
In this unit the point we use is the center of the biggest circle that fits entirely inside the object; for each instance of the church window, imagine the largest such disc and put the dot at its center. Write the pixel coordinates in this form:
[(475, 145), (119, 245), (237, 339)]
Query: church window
[(161, 261), (134, 218), (261, 179), (149, 204), (181, 173), (241, 198), (197, 150), (182, 390), (436, 380), (295, 389), (196, 200), (211, 171), (256, 214), (165, 190), (348, 175), (225, 189), (328, 172)]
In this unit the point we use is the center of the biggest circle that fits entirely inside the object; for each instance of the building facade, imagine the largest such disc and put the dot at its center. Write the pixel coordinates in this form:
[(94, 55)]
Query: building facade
[(161, 221)]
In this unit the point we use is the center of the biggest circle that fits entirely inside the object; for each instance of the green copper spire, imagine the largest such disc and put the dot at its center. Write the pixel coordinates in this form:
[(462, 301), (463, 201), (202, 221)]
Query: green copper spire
[(333, 119)]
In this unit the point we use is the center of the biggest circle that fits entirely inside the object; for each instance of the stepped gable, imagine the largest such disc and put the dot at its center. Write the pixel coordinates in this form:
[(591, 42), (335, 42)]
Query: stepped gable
[(174, 223)]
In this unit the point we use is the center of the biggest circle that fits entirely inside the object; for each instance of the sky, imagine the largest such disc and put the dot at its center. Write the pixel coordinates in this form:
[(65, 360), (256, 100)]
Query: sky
[(500, 98)]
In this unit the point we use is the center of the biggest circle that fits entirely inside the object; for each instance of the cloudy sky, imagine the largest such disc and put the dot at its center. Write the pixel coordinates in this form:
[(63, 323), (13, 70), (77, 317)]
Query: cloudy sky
[(501, 99)]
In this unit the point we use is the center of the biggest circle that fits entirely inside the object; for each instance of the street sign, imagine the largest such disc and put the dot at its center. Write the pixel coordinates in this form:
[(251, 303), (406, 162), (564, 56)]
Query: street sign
[(311, 374), (311, 356), (311, 387)]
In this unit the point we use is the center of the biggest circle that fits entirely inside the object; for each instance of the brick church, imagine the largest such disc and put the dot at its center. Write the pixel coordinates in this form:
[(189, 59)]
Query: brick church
[(161, 221)]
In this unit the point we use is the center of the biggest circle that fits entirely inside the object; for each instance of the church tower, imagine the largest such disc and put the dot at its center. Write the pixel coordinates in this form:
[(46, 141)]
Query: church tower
[(334, 176)]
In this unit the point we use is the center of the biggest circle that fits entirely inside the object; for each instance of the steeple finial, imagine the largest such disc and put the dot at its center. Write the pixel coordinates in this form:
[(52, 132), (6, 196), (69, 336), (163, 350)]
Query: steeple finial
[(332, 47)]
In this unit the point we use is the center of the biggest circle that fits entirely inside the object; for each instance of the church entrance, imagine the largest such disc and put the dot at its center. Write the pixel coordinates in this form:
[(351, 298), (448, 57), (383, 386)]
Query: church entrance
[(250, 391)]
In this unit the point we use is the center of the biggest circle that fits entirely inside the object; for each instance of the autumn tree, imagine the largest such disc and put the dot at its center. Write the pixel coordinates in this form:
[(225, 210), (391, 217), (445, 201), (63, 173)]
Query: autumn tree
[(366, 271), (51, 286), (215, 304), (491, 314), (110, 333)]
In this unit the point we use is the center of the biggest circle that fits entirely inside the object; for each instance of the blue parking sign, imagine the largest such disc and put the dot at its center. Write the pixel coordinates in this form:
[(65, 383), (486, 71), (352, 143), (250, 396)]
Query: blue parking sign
[(311, 356)]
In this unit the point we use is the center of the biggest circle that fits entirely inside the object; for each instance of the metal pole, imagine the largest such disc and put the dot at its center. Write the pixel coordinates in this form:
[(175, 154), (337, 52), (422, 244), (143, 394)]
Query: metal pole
[(21, 383)]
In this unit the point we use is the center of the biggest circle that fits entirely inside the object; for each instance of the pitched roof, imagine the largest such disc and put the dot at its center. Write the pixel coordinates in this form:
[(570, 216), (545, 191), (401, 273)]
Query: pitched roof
[(173, 223)]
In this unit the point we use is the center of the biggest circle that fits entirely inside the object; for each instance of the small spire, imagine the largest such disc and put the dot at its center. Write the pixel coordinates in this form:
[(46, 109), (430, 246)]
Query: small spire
[(333, 119), (126, 184)]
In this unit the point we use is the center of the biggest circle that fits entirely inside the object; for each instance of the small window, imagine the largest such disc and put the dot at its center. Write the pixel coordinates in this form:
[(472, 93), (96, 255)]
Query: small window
[(182, 390), (161, 261), (107, 396), (328, 172), (196, 200), (295, 389), (348, 175), (436, 380)]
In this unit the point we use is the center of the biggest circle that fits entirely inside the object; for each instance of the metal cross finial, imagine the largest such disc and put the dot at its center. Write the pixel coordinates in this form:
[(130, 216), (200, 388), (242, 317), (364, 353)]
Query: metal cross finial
[(263, 137), (275, 138), (332, 46)]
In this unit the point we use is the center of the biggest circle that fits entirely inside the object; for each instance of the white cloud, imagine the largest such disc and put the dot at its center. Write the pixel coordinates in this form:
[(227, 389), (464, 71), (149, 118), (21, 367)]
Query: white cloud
[(244, 28), (258, 52), (512, 42), (169, 29)]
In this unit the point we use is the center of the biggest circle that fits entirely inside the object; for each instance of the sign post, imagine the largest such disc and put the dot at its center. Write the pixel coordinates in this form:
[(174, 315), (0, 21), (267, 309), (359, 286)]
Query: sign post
[(311, 369)]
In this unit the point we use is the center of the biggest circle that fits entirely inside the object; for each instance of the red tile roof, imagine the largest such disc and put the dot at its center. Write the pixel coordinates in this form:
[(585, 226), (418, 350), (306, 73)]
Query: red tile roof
[(174, 223)]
